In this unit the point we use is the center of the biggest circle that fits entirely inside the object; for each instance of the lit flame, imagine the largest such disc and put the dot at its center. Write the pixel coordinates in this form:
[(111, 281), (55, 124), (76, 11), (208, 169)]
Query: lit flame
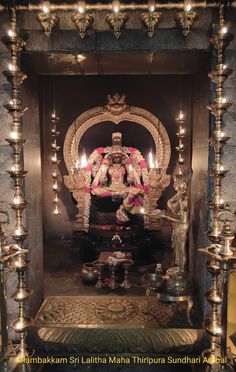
[(151, 161), (142, 210), (55, 186), (56, 200), (18, 231), (54, 158), (152, 8), (45, 8), (81, 9), (11, 67), (224, 30), (116, 9), (15, 135), (17, 200), (188, 8), (56, 211), (83, 161), (181, 114), (11, 33)]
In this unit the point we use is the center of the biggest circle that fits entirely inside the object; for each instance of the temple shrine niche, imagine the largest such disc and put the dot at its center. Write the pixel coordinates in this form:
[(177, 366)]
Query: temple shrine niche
[(117, 175), (125, 242)]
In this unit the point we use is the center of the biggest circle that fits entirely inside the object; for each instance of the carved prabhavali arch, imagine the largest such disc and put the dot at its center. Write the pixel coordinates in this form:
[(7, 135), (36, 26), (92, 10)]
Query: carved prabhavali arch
[(116, 110)]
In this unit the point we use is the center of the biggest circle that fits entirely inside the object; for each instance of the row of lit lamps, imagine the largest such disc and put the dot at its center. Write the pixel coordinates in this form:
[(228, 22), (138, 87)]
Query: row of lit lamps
[(221, 257), (116, 19)]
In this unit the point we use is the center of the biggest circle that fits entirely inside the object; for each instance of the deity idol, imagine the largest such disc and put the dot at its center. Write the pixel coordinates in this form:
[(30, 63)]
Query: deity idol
[(118, 179)]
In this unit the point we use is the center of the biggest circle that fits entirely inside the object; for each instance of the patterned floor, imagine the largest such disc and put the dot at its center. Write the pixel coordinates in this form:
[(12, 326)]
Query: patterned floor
[(107, 311)]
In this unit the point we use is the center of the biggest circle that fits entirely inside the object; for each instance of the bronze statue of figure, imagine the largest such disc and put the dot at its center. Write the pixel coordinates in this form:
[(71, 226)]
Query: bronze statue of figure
[(178, 214)]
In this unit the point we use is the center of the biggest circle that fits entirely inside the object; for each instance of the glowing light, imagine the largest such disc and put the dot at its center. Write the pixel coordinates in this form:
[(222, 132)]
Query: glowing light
[(79, 58), (181, 114), (11, 102), (116, 9), (188, 8), (152, 8), (81, 9), (224, 67), (151, 161), (55, 186), (11, 67), (17, 200), (18, 231), (10, 33), (182, 130), (45, 8), (56, 200), (54, 158), (222, 134), (56, 211), (54, 174), (223, 30), (142, 210), (53, 114), (15, 135), (221, 201), (222, 168), (224, 100), (54, 144), (83, 161), (181, 146)]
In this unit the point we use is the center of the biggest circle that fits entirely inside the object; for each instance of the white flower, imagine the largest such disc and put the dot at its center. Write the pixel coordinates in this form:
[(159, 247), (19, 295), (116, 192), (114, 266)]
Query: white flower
[(117, 237)]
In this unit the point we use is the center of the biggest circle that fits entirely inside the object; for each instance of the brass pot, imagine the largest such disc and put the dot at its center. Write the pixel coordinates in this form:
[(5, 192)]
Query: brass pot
[(89, 273)]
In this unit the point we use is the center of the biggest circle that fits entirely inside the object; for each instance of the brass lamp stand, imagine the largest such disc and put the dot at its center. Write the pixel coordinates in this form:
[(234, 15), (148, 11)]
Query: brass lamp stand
[(219, 253), (8, 255), (17, 172)]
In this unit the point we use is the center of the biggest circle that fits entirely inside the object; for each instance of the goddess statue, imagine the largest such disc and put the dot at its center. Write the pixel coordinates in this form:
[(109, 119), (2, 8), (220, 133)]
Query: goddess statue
[(118, 179), (178, 214)]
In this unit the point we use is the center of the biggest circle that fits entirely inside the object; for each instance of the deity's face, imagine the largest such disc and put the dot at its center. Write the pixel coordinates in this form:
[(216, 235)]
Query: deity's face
[(117, 158), (116, 141)]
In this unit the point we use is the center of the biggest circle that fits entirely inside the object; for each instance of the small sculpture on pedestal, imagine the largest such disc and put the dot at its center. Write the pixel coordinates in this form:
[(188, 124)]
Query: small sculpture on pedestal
[(178, 214)]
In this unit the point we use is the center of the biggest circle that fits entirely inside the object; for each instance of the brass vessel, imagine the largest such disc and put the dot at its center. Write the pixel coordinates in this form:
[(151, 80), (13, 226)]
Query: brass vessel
[(89, 273)]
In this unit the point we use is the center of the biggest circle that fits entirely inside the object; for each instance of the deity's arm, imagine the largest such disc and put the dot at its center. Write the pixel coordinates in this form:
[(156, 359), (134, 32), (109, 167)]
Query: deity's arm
[(102, 172), (132, 174)]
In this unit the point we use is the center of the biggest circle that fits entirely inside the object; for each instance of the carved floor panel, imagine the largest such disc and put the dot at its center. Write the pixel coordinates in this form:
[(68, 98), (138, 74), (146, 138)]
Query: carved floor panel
[(112, 324), (106, 311)]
